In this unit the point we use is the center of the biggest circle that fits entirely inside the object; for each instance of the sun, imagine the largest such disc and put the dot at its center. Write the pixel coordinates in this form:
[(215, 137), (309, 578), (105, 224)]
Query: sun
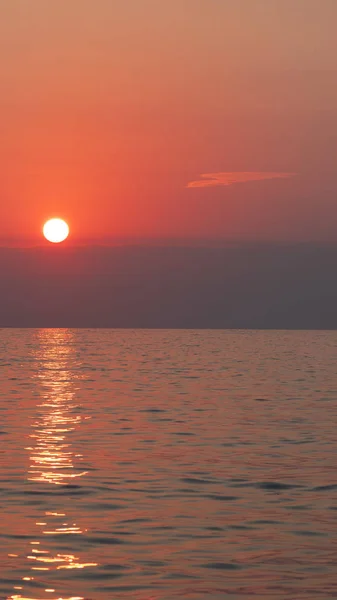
[(56, 230)]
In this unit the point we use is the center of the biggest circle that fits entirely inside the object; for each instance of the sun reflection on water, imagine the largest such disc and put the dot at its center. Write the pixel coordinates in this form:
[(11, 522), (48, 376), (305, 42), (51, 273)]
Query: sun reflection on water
[(53, 460), (52, 457)]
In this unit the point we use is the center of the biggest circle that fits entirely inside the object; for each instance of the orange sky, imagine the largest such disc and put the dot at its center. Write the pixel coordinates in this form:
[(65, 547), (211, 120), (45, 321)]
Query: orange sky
[(110, 112)]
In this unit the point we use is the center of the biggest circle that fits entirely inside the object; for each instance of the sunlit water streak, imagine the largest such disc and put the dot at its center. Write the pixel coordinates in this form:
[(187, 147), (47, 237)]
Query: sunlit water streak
[(53, 461), (160, 465)]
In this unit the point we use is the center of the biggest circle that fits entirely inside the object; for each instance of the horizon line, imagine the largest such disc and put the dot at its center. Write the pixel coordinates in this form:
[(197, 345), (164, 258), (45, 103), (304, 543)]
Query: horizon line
[(167, 243)]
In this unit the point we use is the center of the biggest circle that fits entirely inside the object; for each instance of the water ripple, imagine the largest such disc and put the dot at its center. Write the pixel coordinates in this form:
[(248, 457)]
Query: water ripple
[(168, 464)]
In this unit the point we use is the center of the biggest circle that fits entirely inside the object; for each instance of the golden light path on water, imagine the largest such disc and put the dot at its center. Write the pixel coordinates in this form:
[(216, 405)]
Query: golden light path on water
[(53, 462)]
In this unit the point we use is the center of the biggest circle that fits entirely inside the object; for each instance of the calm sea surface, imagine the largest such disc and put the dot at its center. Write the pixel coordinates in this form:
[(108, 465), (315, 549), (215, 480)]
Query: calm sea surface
[(168, 464)]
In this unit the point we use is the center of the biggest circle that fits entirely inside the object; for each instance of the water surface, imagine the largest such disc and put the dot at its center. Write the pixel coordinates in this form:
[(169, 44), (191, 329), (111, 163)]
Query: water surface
[(168, 464)]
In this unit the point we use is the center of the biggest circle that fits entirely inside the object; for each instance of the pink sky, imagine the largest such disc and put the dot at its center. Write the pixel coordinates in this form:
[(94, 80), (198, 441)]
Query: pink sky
[(110, 111)]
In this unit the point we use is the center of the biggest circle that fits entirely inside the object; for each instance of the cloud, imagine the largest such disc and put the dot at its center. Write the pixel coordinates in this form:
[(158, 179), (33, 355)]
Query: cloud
[(220, 179)]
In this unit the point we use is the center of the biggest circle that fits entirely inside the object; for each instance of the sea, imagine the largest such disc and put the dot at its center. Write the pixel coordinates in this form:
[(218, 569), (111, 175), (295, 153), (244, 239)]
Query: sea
[(168, 464)]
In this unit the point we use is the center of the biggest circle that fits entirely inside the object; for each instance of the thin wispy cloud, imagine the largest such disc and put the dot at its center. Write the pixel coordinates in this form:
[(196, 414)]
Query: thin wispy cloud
[(231, 178)]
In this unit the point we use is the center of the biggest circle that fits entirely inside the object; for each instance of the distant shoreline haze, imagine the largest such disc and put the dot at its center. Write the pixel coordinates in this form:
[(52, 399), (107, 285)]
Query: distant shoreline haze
[(253, 286)]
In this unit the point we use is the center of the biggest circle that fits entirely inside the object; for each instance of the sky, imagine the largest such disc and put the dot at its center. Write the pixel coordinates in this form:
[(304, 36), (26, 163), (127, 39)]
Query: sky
[(171, 120)]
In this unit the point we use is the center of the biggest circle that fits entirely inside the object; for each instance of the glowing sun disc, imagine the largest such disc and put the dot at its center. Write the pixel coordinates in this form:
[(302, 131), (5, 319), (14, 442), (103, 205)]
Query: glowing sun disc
[(56, 230)]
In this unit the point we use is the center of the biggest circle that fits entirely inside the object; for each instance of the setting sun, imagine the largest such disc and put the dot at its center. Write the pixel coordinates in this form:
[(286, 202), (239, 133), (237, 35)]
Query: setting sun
[(56, 230)]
